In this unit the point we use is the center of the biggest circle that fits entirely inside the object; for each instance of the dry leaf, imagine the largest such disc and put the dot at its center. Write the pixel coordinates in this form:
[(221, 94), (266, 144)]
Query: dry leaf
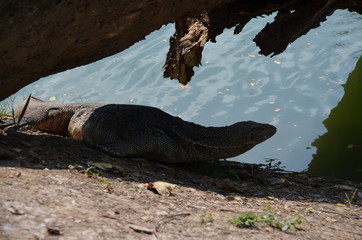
[(163, 188)]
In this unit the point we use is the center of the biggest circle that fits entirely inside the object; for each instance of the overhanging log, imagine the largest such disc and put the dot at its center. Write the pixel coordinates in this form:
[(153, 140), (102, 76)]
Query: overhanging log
[(40, 38)]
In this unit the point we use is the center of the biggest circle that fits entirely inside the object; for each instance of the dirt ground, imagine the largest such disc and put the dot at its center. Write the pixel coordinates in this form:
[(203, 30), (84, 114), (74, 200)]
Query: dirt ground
[(58, 188)]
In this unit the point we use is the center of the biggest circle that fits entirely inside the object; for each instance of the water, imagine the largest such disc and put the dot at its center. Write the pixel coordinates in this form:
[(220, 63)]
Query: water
[(295, 91)]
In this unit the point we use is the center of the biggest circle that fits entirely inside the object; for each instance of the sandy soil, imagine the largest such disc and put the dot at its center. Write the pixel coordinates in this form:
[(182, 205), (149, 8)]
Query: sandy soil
[(49, 190)]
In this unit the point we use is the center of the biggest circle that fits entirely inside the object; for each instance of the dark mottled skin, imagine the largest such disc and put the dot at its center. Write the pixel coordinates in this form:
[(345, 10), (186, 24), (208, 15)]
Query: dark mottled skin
[(141, 131)]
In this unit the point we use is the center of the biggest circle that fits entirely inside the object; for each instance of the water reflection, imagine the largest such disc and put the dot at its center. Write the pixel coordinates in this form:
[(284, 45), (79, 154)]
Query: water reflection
[(294, 91), (339, 150)]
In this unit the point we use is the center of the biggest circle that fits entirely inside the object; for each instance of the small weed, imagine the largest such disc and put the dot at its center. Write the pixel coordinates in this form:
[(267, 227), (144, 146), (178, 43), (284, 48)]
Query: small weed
[(4, 109), (91, 171), (251, 220), (136, 189), (272, 165), (245, 220), (349, 200), (7, 106), (268, 207), (75, 166), (283, 225), (206, 218), (109, 186)]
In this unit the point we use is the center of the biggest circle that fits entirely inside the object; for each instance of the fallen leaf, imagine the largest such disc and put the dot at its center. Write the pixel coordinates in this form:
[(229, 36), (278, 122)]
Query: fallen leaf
[(330, 219), (163, 188)]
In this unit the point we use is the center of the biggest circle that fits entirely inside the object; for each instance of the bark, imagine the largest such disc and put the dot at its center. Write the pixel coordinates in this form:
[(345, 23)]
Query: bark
[(40, 38)]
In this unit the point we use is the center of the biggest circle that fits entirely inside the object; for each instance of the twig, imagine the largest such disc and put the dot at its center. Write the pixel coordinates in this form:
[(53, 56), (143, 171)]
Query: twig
[(23, 111)]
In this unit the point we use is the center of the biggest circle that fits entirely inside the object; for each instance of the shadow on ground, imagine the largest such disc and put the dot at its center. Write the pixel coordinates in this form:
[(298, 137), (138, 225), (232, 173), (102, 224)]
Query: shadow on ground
[(49, 188)]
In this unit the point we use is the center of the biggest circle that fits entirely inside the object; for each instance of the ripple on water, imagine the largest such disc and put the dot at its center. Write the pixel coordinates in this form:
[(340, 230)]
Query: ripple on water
[(294, 90)]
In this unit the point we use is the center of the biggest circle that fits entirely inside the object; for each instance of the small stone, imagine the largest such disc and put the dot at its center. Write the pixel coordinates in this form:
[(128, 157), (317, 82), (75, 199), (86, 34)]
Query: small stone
[(54, 231)]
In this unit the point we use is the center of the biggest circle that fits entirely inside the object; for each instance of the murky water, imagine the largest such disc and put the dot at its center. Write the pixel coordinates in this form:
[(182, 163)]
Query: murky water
[(295, 90)]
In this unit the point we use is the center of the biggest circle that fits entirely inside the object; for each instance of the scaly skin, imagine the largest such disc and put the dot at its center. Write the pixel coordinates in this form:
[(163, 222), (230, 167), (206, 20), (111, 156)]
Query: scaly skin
[(141, 131)]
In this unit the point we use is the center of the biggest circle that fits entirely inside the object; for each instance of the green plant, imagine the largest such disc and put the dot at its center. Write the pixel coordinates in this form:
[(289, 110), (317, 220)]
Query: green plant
[(245, 220), (270, 218), (109, 186), (91, 171), (273, 165), (206, 218), (75, 166), (6, 106), (349, 200), (136, 189), (284, 224), (4, 109), (268, 207)]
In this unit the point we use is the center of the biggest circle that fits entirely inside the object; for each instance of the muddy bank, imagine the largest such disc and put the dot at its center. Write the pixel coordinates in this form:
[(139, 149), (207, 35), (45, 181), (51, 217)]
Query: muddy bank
[(51, 191)]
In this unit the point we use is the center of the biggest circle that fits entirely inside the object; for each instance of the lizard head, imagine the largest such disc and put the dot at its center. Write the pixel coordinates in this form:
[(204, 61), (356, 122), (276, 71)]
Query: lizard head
[(44, 116)]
